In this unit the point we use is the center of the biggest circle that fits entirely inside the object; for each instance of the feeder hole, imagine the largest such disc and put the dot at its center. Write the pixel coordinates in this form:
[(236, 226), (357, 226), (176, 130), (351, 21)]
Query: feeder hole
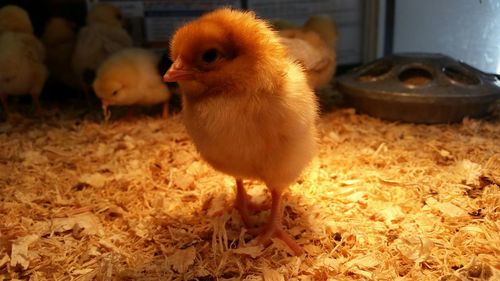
[(460, 76), (415, 77), (375, 70)]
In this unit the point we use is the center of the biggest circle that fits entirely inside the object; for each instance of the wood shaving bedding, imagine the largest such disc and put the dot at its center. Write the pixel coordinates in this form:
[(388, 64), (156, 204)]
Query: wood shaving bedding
[(132, 200)]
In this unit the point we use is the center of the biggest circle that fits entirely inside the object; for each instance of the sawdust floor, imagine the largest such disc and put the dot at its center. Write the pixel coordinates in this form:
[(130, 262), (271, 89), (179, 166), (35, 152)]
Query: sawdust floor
[(131, 200)]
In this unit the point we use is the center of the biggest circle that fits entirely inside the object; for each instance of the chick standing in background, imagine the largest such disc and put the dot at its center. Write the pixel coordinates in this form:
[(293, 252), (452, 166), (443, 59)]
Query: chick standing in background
[(247, 106), (130, 77), (313, 46), (21, 58), (102, 36), (22, 70), (59, 39), (15, 19)]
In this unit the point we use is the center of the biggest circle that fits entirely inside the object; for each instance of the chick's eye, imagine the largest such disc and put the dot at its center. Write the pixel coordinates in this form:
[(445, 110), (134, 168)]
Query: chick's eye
[(210, 55), (115, 93)]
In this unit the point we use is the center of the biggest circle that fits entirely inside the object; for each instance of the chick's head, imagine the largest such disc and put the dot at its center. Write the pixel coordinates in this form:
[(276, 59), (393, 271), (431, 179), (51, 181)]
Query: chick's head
[(324, 27), (222, 49), (58, 30), (15, 19), (115, 85), (105, 13)]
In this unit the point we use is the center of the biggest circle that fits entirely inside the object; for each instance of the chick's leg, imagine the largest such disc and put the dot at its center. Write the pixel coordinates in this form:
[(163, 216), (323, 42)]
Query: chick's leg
[(244, 204), (274, 227)]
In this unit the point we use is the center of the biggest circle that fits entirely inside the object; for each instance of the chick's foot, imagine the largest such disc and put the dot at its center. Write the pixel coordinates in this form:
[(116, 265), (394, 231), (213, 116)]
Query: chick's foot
[(274, 228)]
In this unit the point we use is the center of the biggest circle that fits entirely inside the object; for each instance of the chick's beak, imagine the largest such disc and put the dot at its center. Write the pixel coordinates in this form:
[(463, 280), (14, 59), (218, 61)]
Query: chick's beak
[(179, 72)]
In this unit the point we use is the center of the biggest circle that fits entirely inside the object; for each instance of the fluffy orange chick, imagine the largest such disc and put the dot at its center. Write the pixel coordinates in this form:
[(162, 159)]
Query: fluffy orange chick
[(15, 19), (130, 77), (247, 106), (313, 46), (59, 38)]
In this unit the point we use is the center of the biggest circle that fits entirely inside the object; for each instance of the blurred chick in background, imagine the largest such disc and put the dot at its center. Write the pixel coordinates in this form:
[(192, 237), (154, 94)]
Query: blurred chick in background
[(22, 70), (130, 77), (15, 19), (102, 36), (325, 28), (313, 45), (106, 14), (59, 38), (246, 105)]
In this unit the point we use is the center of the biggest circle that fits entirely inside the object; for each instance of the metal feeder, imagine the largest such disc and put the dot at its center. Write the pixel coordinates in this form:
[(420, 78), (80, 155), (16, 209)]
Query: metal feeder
[(420, 88)]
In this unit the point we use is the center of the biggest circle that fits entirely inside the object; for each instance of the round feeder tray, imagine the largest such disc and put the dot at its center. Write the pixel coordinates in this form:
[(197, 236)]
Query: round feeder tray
[(420, 88)]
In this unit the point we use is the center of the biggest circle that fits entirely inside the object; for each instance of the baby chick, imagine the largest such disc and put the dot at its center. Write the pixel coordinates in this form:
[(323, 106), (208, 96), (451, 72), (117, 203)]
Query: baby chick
[(247, 106), (59, 39), (15, 19), (324, 27), (22, 70), (130, 77), (105, 13), (313, 46), (102, 36)]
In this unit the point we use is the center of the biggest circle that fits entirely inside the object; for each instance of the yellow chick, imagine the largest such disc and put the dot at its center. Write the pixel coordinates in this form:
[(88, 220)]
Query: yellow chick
[(15, 19), (313, 54), (313, 46), (324, 27), (22, 70), (105, 13), (131, 77), (246, 105), (102, 36), (59, 38)]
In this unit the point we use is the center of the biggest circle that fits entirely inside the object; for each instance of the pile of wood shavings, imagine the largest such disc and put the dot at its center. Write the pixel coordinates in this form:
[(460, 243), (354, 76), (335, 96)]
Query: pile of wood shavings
[(131, 200)]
